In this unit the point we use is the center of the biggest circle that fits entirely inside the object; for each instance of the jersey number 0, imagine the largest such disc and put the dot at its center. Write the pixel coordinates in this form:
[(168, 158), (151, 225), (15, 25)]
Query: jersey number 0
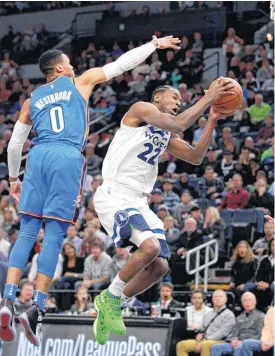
[(57, 119)]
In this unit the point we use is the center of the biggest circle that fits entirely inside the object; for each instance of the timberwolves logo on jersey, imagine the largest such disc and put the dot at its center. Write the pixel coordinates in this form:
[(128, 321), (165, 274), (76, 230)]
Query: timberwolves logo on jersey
[(121, 218), (157, 136)]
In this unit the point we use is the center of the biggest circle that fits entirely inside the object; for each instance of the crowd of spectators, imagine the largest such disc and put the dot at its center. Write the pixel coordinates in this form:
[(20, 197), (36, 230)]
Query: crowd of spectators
[(237, 173), (24, 47)]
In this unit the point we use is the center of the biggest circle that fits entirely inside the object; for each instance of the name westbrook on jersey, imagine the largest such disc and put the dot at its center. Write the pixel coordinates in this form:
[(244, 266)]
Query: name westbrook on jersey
[(53, 98)]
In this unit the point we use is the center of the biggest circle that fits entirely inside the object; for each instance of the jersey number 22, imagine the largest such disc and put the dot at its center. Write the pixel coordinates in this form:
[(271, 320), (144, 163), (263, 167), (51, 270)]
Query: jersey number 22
[(146, 155), (57, 119)]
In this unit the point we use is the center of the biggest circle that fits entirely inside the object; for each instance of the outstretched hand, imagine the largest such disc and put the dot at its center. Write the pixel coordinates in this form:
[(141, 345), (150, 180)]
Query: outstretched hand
[(166, 42), (220, 87), (215, 115)]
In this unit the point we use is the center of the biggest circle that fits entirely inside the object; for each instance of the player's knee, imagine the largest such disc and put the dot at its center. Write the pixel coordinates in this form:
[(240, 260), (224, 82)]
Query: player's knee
[(160, 268), (151, 247)]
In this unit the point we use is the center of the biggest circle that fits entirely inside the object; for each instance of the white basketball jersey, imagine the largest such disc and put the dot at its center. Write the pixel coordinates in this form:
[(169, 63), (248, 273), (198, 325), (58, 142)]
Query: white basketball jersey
[(132, 158)]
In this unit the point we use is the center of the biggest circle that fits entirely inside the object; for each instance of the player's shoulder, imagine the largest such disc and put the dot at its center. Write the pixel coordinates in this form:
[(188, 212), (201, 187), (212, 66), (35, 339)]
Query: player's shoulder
[(142, 108)]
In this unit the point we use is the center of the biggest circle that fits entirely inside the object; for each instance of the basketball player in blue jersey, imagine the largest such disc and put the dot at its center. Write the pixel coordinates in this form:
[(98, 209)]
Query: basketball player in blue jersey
[(52, 186)]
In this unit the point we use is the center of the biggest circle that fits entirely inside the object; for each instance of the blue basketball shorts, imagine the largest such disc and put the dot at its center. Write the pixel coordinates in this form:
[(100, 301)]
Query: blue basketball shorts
[(127, 218), (53, 182)]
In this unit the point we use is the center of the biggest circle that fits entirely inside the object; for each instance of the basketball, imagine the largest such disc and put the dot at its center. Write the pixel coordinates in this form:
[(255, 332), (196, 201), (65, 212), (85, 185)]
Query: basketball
[(228, 104)]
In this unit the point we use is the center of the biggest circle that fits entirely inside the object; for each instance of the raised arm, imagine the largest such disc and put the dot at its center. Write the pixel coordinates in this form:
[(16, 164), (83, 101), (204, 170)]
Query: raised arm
[(127, 61), (194, 154), (20, 133), (149, 113)]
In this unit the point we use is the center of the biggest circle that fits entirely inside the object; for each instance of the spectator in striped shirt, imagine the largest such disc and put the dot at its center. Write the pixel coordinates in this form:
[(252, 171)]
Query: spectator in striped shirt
[(171, 199), (209, 186)]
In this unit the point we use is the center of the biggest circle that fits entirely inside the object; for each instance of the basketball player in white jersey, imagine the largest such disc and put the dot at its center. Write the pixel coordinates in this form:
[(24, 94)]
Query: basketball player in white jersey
[(130, 171)]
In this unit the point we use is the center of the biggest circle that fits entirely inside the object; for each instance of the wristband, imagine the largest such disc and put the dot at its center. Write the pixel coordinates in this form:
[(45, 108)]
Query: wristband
[(14, 182), (158, 41)]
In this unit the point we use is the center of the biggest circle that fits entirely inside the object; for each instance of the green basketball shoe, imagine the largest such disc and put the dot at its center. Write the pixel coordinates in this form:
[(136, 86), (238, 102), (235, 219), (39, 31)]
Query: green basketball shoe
[(109, 306)]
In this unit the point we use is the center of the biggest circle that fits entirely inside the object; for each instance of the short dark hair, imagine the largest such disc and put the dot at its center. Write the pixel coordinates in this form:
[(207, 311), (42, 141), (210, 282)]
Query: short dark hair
[(196, 291), (160, 89), (168, 285), (48, 60)]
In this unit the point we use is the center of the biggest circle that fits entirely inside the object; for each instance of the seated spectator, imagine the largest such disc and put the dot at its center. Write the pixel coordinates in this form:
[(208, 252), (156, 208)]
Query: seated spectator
[(9, 64), (89, 216), (25, 298), (266, 133), (172, 233), (214, 226), (249, 325), (267, 338), (249, 55), (266, 71), (73, 239), (209, 186), (244, 266), (236, 197), (191, 69), (196, 312), (197, 47), (166, 297), (250, 144), (4, 244), (199, 132), (72, 272), (156, 200), (57, 274), (264, 288), (120, 85), (4, 92), (119, 259), (163, 212), (171, 199), (250, 82), (217, 328), (196, 214), (97, 268), (226, 139), (169, 62), (165, 164), (260, 246), (261, 198), (9, 220), (176, 78), (258, 111), (210, 160), (93, 161), (182, 210), (138, 86), (184, 184), (268, 153), (111, 11), (83, 303), (190, 237), (242, 115), (225, 168)]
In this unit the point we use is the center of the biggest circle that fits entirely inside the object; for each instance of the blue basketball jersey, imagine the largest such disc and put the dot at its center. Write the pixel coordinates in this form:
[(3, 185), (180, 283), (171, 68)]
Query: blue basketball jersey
[(59, 114)]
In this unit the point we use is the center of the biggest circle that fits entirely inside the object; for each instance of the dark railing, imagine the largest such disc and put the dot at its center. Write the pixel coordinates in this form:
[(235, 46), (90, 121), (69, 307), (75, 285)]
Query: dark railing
[(216, 64)]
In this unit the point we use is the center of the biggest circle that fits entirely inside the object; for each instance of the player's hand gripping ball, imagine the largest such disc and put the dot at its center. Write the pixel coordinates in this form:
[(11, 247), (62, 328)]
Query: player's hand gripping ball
[(228, 104)]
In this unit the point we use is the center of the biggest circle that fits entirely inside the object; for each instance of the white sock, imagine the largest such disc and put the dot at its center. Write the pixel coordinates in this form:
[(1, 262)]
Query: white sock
[(117, 286)]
